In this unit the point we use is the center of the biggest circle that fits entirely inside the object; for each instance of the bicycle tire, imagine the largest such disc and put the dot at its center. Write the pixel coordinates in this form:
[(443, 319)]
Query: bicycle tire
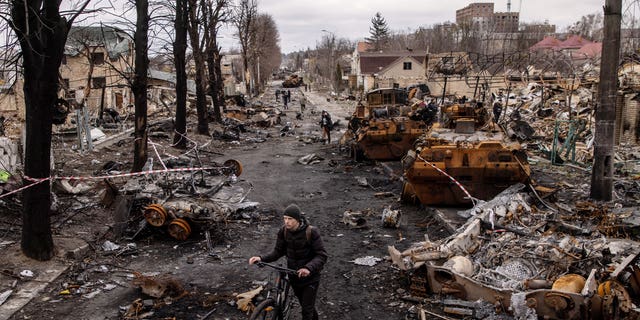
[(288, 306), (266, 310)]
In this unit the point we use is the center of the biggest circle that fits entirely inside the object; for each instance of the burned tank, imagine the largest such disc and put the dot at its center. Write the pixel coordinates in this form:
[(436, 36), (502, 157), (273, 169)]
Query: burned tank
[(462, 158), (385, 126), (293, 81)]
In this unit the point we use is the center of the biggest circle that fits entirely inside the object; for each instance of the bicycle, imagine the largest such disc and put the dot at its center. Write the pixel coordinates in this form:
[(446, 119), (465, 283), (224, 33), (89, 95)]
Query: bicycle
[(279, 301)]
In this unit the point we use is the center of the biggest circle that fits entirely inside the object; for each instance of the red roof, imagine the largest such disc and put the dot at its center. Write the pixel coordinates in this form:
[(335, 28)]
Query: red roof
[(364, 46), (591, 50), (547, 43), (575, 42)]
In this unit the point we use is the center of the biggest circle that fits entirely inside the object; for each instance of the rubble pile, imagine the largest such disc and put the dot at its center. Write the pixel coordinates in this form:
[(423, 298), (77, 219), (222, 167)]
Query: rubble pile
[(514, 244)]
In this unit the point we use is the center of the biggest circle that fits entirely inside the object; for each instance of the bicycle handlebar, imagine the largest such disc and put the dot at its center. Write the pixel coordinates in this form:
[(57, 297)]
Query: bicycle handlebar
[(279, 268)]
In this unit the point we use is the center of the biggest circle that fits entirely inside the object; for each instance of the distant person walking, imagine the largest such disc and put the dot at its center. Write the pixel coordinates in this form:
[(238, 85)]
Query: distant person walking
[(303, 103), (325, 125), (285, 100), (497, 111), (277, 95)]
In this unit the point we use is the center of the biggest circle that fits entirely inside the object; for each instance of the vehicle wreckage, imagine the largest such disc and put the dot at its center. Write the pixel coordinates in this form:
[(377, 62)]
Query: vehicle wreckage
[(386, 127), (460, 159), (182, 204), (527, 261)]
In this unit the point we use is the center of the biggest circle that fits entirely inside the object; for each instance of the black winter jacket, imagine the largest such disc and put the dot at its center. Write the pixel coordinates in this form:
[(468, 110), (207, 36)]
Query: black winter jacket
[(300, 252)]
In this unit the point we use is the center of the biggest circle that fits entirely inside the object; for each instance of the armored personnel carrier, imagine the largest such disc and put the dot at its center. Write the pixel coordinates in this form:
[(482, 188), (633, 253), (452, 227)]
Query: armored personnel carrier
[(460, 159), (385, 127)]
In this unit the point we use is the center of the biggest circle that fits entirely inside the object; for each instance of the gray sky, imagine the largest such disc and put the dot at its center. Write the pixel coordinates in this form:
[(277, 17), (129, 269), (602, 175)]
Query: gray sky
[(300, 21)]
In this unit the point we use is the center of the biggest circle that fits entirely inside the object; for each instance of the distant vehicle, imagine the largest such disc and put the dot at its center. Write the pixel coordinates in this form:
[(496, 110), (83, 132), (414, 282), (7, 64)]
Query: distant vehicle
[(293, 81), (384, 126)]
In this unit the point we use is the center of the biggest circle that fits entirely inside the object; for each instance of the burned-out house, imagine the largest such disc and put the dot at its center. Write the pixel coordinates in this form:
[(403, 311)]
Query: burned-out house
[(96, 64)]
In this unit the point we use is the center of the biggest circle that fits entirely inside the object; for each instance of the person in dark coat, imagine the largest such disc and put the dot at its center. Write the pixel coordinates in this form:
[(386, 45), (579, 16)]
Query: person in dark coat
[(326, 125), (305, 252), (497, 111)]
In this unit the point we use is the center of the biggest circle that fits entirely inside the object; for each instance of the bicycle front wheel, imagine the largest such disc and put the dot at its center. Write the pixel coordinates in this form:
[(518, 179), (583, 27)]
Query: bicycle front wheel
[(266, 310)]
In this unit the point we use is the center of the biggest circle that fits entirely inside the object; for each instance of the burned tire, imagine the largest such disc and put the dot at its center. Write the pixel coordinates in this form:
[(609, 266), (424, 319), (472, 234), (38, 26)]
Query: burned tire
[(234, 165), (267, 309)]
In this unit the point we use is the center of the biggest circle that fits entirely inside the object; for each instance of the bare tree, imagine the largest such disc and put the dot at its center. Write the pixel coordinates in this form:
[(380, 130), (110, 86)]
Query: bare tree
[(139, 87), (179, 54), (42, 33), (217, 13), (244, 14), (589, 26), (266, 56), (195, 28)]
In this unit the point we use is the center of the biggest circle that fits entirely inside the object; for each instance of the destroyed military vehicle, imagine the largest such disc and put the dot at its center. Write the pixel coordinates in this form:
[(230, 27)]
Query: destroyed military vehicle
[(385, 127), (462, 158), (293, 81)]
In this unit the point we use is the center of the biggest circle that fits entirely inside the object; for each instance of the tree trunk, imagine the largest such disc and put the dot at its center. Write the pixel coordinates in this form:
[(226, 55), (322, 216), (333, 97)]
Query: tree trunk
[(39, 93), (199, 60), (42, 38), (179, 53), (602, 172), (201, 97), (139, 86), (215, 80)]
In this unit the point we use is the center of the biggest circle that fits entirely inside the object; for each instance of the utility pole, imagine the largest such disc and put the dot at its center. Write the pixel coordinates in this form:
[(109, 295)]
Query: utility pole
[(602, 172)]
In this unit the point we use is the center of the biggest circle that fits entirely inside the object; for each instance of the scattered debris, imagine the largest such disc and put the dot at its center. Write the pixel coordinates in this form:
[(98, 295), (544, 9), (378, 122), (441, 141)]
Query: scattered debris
[(310, 159), (367, 261), (159, 286), (245, 300), (391, 218)]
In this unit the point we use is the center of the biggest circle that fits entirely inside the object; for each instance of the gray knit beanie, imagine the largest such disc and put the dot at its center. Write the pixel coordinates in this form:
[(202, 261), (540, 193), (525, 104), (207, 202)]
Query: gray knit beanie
[(293, 211)]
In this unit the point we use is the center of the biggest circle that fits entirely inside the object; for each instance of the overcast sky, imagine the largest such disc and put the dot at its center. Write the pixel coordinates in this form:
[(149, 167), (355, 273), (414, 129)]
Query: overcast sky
[(300, 22)]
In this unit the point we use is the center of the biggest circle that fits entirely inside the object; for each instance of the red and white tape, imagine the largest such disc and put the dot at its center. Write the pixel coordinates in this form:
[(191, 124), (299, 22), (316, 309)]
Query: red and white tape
[(35, 181), (451, 178)]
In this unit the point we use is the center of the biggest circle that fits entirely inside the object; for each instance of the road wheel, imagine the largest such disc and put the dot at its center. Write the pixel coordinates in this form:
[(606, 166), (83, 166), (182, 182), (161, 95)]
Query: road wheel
[(408, 195), (266, 310), (179, 229)]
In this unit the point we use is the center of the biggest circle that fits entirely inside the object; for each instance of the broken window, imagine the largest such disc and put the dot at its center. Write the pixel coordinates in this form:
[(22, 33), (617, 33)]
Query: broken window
[(97, 58), (98, 82), (406, 66)]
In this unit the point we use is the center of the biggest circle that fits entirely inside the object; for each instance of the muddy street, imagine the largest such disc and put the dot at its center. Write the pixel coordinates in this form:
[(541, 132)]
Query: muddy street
[(211, 277)]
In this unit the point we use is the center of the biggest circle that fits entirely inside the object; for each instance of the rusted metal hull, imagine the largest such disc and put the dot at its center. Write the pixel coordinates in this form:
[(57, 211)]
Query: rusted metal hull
[(484, 169), (547, 303), (388, 139)]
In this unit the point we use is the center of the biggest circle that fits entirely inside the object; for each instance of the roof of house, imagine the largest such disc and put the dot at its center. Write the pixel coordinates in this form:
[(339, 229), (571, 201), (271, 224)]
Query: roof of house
[(591, 50), (171, 78), (373, 62), (115, 41), (574, 41), (547, 43)]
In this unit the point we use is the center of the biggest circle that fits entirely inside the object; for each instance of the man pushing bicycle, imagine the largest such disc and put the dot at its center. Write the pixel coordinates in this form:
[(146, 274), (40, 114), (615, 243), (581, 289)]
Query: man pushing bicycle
[(305, 252)]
